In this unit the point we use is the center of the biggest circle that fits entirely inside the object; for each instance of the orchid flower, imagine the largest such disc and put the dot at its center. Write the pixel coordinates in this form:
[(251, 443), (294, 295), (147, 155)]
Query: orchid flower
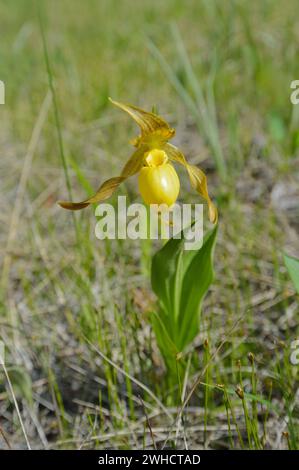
[(152, 160)]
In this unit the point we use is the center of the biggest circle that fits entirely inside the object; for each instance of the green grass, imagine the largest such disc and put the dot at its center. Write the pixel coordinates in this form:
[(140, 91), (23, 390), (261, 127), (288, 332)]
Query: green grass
[(74, 312)]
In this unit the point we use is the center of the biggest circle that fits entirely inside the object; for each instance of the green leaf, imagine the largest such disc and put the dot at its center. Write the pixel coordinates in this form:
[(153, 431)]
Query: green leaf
[(180, 280), (292, 265)]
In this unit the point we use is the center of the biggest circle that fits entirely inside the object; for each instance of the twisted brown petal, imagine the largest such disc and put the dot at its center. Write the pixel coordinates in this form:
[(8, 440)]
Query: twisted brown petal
[(197, 178), (133, 165), (149, 123)]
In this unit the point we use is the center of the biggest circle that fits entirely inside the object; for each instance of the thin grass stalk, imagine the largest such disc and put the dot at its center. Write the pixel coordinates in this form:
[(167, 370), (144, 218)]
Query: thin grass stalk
[(265, 420), (56, 117), (234, 418), (254, 403), (123, 343), (206, 109), (240, 393), (16, 406), (199, 109), (230, 436), (206, 389)]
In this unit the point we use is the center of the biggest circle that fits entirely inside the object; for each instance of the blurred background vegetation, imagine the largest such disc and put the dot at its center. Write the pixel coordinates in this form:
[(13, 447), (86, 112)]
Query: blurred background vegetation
[(74, 311)]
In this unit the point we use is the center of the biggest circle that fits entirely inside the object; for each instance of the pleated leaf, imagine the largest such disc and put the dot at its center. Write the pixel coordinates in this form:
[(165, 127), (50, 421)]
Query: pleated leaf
[(292, 265), (180, 279)]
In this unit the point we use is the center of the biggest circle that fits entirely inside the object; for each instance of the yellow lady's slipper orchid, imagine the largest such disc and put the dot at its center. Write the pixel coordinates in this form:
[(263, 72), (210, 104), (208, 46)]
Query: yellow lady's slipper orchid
[(158, 180)]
